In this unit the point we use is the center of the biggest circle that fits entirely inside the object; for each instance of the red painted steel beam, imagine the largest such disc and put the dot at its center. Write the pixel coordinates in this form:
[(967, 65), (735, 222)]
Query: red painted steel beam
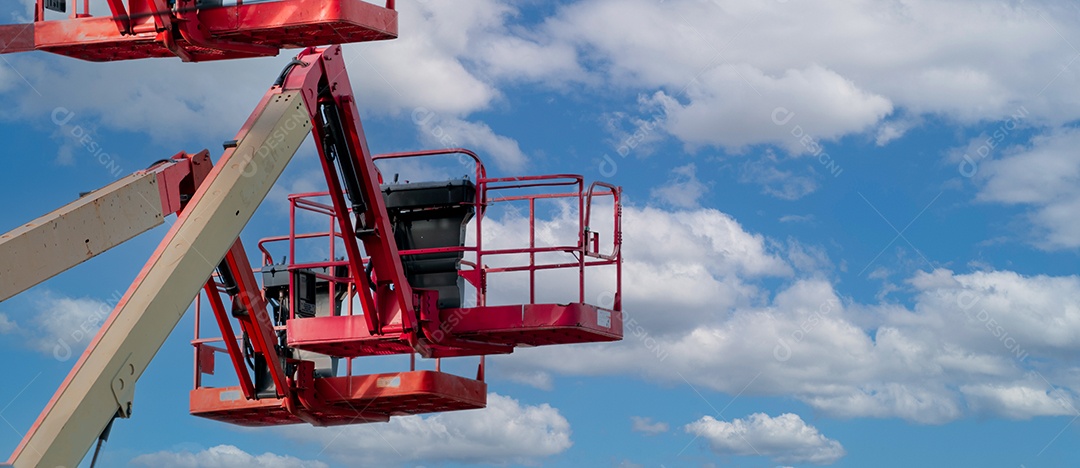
[(16, 38), (324, 81), (225, 324), (255, 320), (178, 182)]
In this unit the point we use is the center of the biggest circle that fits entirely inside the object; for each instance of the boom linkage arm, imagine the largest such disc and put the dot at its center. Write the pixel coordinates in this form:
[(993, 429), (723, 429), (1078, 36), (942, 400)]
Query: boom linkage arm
[(339, 137), (97, 221)]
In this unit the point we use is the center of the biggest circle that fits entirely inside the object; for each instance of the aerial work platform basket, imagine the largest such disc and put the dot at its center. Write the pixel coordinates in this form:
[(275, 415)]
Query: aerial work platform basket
[(196, 30), (449, 256)]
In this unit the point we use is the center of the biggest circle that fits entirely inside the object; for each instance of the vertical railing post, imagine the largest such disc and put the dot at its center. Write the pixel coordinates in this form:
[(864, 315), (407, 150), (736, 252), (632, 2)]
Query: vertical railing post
[(532, 250), (198, 346), (292, 258), (481, 297), (581, 239)]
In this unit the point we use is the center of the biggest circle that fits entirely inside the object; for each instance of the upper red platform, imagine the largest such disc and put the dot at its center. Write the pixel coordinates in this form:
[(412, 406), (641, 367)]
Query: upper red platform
[(202, 34)]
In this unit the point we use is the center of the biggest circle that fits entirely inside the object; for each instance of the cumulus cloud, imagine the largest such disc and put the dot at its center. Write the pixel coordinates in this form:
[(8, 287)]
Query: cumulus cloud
[(1043, 175), (536, 379), (716, 77), (1018, 401), (986, 342), (221, 456), (776, 182), (647, 426), (797, 218), (7, 325), (704, 251), (960, 58), (197, 96), (450, 132), (739, 105), (894, 129), (424, 66), (60, 326), (682, 189), (785, 438), (507, 431)]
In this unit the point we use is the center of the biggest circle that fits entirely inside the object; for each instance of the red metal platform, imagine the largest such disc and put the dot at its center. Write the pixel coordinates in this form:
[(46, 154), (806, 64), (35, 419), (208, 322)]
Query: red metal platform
[(352, 400), (226, 32), (512, 325), (313, 332)]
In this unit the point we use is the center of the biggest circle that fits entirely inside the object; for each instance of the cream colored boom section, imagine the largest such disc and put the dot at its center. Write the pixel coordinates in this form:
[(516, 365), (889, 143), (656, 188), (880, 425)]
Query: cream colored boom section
[(75, 233), (103, 380)]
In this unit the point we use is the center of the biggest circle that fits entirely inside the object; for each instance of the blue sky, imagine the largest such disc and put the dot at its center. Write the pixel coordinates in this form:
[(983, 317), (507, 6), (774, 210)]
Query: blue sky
[(849, 229)]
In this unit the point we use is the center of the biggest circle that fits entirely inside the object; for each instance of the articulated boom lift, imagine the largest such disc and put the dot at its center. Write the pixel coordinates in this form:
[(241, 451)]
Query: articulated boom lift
[(400, 251)]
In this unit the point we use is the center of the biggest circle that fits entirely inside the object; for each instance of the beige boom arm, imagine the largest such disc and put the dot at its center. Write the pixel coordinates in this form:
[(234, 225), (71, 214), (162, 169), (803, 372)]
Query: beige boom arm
[(96, 222), (102, 382)]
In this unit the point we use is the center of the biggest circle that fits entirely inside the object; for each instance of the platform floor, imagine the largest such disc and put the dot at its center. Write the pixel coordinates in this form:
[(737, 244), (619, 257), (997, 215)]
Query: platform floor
[(512, 325), (350, 400)]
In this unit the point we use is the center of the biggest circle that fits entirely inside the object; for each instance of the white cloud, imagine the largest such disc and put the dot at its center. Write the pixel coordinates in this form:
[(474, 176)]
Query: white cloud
[(449, 132), (8, 79), (1037, 174), (739, 105), (424, 66), (976, 343), (797, 218), (60, 326), (785, 438), (809, 259), (962, 59), (6, 325), (691, 233), (1043, 175), (222, 456), (504, 432), (536, 379), (647, 426), (168, 101), (1019, 401), (785, 185), (925, 364), (894, 129), (682, 189), (703, 251), (506, 55)]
